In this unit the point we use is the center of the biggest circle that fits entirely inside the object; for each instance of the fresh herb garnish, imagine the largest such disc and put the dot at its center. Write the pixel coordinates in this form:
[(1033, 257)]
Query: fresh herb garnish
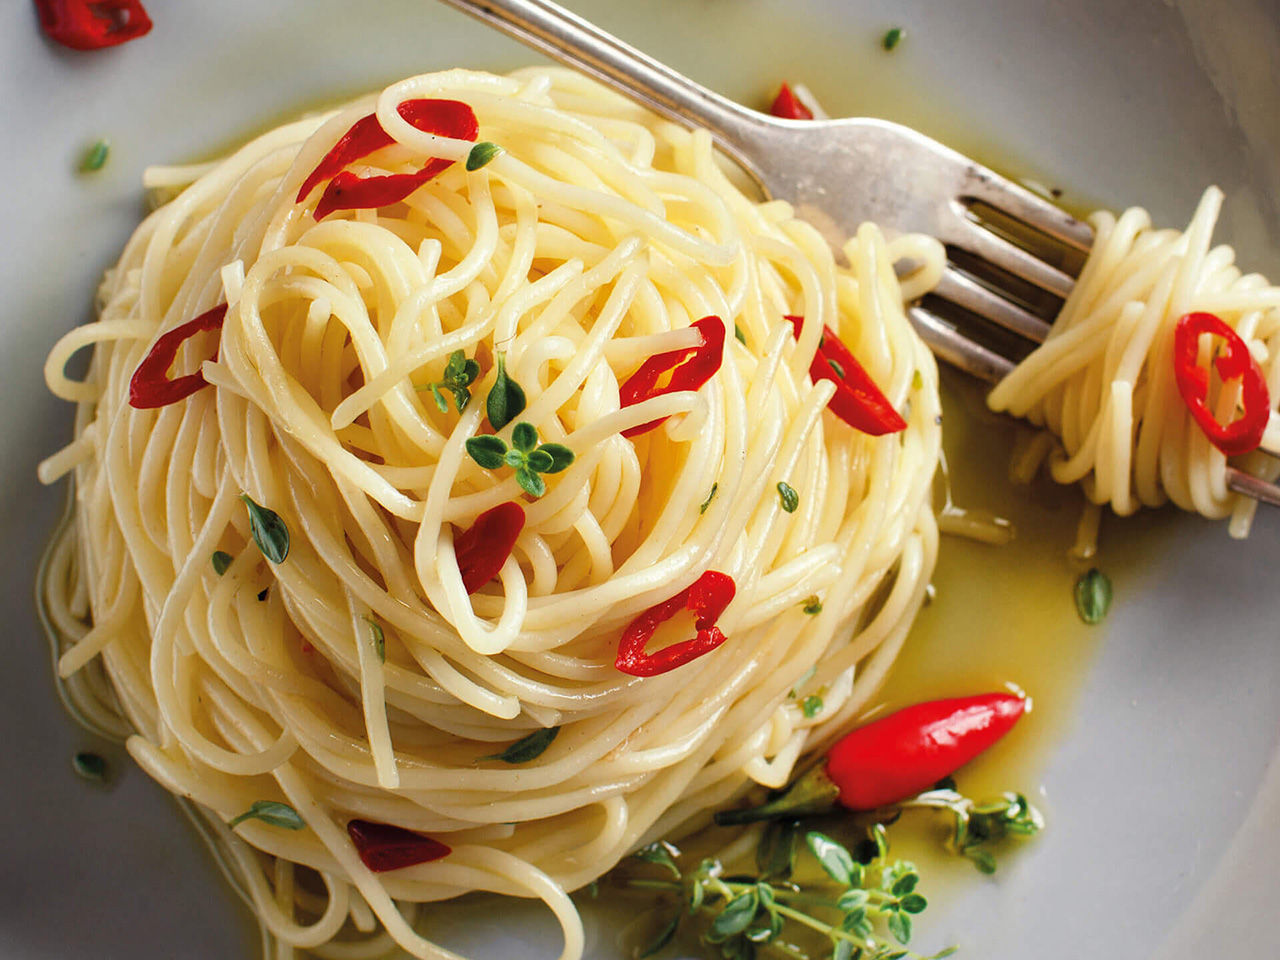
[(271, 812), (89, 765), (917, 380), (221, 561), (482, 153), (978, 826), (525, 455), (739, 335), (812, 605), (95, 158), (379, 638), (662, 853), (269, 531), (661, 939), (702, 507), (776, 852), (506, 399), (811, 705), (487, 450), (459, 374), (803, 679), (892, 38), (1093, 595), (787, 494), (737, 915), (527, 748), (835, 365)]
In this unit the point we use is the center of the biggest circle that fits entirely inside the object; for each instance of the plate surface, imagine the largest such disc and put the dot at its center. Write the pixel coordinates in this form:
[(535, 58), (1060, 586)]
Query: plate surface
[(1163, 787)]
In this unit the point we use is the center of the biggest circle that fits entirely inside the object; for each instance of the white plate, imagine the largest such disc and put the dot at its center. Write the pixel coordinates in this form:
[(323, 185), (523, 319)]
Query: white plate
[(1165, 824)]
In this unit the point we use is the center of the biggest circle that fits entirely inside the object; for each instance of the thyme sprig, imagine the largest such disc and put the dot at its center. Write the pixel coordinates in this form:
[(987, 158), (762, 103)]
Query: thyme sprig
[(863, 910), (459, 374), (525, 455), (979, 826), (862, 905)]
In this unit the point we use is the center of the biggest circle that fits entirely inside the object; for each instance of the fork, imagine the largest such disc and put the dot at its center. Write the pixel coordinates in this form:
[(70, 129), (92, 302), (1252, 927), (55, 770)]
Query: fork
[(1012, 256), (905, 182)]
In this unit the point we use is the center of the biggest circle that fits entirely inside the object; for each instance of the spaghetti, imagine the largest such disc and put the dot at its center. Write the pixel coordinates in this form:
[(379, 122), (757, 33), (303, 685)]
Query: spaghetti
[(359, 678), (1103, 383)]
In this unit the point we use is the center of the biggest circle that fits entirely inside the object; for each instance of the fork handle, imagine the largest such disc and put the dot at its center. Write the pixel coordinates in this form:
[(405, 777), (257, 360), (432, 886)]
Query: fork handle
[(573, 41)]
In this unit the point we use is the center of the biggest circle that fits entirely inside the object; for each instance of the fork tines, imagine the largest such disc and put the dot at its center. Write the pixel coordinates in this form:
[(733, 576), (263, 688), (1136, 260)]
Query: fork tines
[(1012, 258)]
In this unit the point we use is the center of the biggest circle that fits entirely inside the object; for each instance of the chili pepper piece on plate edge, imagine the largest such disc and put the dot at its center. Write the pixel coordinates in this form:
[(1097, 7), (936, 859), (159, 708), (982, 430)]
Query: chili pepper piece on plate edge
[(857, 400), (1244, 433), (383, 847), (150, 385), (483, 547), (690, 367), (708, 596), (788, 106), (893, 758), (92, 24)]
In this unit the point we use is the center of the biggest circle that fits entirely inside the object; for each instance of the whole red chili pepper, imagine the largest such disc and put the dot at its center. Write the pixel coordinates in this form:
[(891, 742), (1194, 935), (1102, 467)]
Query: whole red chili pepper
[(707, 597), (92, 24), (785, 104), (894, 757), (690, 368), (347, 191), (384, 847), (1235, 361), (150, 385), (857, 401), (484, 546)]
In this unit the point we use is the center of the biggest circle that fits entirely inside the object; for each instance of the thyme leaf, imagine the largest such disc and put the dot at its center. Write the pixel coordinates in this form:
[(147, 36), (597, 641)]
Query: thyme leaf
[(95, 158), (506, 399), (1093, 595), (481, 154), (527, 748), (702, 507), (90, 766), (269, 531), (271, 812), (787, 494)]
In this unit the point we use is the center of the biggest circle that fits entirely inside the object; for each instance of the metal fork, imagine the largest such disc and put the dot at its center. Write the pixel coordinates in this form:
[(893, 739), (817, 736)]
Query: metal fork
[(840, 173), (1012, 256)]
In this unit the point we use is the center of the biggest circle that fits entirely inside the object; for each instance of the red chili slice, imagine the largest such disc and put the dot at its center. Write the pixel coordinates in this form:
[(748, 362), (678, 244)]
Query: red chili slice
[(484, 546), (347, 191), (1244, 433), (92, 24), (690, 367), (384, 847), (857, 401), (150, 386), (707, 597), (785, 104)]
